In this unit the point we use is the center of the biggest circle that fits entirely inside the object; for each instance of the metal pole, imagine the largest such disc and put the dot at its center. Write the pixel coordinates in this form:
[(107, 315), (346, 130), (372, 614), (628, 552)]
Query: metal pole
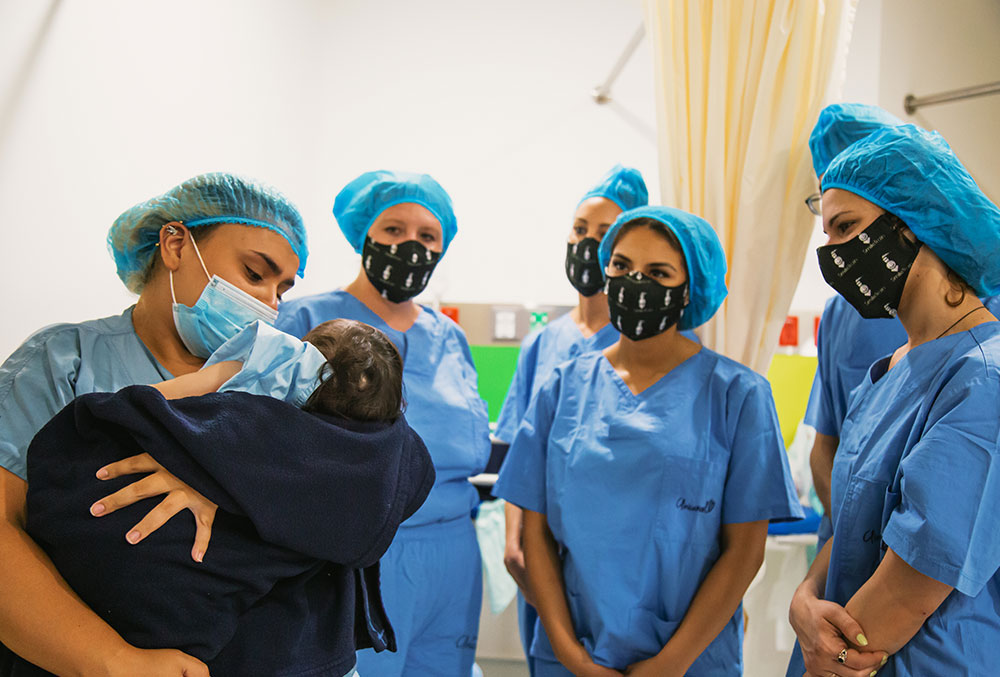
[(602, 93), (912, 103)]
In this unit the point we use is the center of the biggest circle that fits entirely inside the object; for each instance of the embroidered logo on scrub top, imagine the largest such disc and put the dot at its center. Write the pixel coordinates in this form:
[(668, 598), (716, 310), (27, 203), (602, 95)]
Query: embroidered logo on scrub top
[(707, 508)]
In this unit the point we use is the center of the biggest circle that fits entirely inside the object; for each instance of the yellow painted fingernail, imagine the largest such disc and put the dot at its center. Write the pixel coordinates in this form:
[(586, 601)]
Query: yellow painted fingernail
[(874, 672), (862, 640), (885, 659)]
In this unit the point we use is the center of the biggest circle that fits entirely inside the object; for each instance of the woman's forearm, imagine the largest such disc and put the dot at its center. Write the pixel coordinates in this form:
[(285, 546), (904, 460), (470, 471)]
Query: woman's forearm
[(546, 583), (718, 596), (513, 522), (815, 580), (41, 618), (206, 380), (893, 604)]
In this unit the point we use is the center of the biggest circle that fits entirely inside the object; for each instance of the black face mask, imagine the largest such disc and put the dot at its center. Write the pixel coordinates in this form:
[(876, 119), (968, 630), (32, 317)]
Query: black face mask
[(870, 270), (641, 307), (582, 267), (398, 271)]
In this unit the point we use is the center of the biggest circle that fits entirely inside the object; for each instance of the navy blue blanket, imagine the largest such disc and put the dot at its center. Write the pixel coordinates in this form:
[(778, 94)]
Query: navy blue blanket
[(307, 506)]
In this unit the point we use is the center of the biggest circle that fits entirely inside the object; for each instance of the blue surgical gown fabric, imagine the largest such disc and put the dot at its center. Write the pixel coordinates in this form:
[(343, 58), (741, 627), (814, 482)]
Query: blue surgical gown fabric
[(275, 364), (917, 471), (541, 352), (636, 489), (59, 362)]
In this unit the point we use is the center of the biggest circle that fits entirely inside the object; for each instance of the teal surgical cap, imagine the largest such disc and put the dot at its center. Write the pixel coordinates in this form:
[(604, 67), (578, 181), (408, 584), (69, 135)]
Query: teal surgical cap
[(207, 199), (703, 256), (363, 199), (914, 174), (623, 186), (841, 124)]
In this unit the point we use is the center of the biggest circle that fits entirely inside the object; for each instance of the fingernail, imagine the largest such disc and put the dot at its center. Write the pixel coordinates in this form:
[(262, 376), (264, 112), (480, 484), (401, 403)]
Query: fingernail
[(885, 659), (97, 509), (102, 474), (198, 555), (133, 537), (862, 640), (874, 672)]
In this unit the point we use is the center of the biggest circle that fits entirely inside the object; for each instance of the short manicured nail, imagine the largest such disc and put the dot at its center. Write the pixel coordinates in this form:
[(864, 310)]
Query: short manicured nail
[(97, 509), (198, 555), (873, 673), (862, 640), (885, 659), (133, 537), (102, 474)]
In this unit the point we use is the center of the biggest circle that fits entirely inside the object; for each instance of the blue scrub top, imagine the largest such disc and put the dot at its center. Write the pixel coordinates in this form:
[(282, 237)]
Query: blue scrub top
[(58, 363), (847, 345), (918, 471), (440, 389), (636, 489), (541, 352)]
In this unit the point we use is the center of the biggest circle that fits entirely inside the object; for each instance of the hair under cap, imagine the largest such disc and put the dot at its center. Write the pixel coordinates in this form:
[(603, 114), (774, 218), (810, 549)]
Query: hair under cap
[(841, 124), (914, 174), (623, 186), (703, 256), (207, 199), (363, 199)]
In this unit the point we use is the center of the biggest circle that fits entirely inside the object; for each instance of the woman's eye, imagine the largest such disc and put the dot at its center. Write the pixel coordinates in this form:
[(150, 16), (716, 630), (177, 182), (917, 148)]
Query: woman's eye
[(253, 275), (580, 230), (428, 237), (391, 230), (845, 226), (618, 265)]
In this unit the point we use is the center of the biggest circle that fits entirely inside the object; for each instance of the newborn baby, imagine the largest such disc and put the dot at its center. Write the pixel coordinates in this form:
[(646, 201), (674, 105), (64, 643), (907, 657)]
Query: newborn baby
[(310, 492)]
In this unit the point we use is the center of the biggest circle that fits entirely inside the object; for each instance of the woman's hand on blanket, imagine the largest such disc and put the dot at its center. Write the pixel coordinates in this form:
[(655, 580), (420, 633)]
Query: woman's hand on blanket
[(156, 663), (179, 496)]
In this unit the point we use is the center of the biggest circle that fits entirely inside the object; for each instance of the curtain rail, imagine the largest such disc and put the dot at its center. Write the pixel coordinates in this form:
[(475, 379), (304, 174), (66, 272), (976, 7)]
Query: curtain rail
[(602, 93), (912, 103)]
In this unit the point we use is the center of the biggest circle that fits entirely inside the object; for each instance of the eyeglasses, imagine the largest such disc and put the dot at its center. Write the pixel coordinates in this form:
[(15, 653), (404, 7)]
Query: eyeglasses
[(815, 203)]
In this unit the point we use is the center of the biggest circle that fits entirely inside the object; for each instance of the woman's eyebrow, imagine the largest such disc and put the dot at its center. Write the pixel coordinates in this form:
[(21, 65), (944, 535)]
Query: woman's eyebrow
[(663, 264), (275, 268)]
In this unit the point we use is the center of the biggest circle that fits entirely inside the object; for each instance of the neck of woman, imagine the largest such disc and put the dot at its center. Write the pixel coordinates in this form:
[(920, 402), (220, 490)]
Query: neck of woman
[(641, 363), (399, 316), (591, 313), (925, 311), (153, 320)]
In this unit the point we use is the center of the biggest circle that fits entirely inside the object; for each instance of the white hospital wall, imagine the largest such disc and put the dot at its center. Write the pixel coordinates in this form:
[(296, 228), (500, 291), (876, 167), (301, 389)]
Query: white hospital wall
[(106, 102), (930, 47)]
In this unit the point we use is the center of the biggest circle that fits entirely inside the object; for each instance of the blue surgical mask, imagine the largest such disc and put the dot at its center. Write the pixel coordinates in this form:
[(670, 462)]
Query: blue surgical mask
[(221, 311)]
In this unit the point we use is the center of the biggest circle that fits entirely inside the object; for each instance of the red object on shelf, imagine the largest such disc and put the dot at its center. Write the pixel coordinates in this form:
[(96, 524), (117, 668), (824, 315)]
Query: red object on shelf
[(789, 332), (450, 311), (816, 330)]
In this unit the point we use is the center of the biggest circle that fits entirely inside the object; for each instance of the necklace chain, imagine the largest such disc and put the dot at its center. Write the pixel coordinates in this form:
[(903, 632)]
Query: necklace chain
[(955, 323)]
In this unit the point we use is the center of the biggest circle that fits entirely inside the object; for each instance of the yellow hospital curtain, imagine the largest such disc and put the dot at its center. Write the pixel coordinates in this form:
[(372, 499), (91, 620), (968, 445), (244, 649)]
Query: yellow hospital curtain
[(739, 84)]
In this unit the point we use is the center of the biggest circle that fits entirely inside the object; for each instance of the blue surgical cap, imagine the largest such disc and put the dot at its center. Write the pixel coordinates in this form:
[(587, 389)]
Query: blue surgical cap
[(914, 174), (703, 256), (363, 199), (623, 186), (841, 124), (205, 200)]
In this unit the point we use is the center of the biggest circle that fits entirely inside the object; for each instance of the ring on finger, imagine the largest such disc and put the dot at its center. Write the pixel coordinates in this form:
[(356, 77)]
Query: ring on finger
[(842, 656)]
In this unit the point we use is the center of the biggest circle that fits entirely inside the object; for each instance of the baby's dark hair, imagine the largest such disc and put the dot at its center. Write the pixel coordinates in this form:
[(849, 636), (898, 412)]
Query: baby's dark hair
[(362, 379)]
